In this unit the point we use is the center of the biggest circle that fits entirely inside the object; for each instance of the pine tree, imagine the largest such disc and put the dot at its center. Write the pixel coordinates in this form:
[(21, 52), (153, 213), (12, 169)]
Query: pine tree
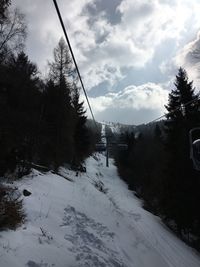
[(22, 99), (181, 99), (182, 116), (60, 71), (81, 135)]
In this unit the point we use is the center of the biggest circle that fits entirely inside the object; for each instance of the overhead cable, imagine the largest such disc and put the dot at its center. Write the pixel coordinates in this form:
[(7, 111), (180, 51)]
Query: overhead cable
[(74, 60), (184, 105), (81, 81)]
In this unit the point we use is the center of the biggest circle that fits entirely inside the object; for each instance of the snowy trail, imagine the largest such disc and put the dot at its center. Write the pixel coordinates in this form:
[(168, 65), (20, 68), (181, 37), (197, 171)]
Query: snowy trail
[(93, 221), (153, 232)]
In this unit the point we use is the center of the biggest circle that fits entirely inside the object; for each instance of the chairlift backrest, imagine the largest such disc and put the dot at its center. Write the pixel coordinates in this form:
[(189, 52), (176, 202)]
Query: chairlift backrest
[(194, 135), (196, 149)]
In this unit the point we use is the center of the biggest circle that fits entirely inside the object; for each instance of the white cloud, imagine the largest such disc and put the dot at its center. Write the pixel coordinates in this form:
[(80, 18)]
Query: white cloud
[(104, 49), (133, 42), (133, 99), (189, 58), (100, 46), (44, 30)]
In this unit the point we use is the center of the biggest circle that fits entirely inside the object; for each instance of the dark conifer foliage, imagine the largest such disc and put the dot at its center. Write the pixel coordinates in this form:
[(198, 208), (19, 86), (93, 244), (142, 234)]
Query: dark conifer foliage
[(21, 98), (58, 125), (41, 122), (81, 134), (181, 179), (182, 94), (158, 165)]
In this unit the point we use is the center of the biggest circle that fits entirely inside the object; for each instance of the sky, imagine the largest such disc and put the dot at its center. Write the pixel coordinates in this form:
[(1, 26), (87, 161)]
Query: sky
[(128, 51)]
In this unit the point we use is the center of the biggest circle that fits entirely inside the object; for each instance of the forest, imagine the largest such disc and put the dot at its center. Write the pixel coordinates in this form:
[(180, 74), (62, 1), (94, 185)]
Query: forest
[(157, 163), (43, 123)]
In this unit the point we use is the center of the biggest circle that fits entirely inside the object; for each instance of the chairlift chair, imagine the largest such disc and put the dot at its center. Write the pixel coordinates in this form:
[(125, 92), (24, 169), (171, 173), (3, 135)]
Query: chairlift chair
[(194, 136)]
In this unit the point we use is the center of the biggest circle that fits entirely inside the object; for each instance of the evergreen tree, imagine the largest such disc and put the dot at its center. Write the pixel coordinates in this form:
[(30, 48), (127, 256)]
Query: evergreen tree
[(64, 113), (81, 135), (181, 98), (182, 116), (63, 116), (22, 99)]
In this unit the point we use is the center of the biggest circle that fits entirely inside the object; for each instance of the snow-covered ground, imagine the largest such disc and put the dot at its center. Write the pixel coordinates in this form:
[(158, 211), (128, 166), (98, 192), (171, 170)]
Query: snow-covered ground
[(93, 221)]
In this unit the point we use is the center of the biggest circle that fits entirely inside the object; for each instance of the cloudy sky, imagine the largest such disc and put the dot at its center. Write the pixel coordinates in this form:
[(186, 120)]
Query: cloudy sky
[(128, 51)]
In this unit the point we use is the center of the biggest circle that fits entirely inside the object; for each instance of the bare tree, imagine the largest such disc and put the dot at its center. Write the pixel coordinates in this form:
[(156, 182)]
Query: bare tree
[(3, 8), (12, 33), (61, 67)]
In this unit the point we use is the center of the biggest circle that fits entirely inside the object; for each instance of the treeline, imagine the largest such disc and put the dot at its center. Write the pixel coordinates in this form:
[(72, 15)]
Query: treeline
[(158, 167), (42, 122)]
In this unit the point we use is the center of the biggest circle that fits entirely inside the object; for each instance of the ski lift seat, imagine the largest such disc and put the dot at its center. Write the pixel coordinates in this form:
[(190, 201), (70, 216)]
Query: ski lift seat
[(194, 136), (196, 149)]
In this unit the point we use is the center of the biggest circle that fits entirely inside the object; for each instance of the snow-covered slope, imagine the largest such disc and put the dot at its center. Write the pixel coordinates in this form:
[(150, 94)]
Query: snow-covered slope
[(71, 224)]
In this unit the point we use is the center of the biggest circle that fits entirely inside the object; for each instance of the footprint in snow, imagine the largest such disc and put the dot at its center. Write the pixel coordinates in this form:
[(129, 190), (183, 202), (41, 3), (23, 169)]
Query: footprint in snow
[(92, 242), (136, 216)]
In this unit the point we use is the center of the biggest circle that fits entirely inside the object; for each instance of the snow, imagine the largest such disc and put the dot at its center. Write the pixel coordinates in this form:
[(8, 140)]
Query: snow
[(93, 220)]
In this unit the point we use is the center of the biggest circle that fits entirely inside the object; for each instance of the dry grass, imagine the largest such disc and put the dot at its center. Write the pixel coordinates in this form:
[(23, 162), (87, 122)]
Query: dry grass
[(11, 212)]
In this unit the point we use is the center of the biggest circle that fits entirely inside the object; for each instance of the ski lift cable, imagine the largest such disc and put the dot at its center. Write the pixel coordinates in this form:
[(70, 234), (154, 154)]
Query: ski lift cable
[(154, 120), (81, 81), (74, 60), (186, 104)]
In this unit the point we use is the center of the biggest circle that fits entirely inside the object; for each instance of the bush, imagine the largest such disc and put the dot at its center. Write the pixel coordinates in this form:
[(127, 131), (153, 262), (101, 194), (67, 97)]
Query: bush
[(11, 213)]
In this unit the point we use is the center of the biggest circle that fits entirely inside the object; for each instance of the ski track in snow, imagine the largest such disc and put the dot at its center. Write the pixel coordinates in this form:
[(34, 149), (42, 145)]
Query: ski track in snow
[(73, 224)]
